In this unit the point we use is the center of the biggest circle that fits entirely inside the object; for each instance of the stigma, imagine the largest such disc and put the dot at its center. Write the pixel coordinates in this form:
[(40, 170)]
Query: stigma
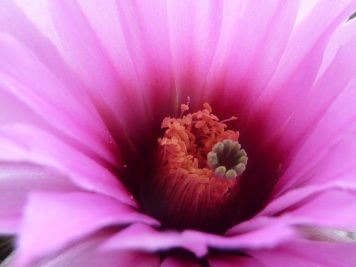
[(227, 159)]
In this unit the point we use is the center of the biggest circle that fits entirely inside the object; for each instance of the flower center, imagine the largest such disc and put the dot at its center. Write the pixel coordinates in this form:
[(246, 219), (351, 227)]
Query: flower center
[(195, 179)]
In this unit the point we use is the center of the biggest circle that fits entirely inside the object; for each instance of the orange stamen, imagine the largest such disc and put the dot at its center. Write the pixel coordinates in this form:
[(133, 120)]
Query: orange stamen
[(188, 140)]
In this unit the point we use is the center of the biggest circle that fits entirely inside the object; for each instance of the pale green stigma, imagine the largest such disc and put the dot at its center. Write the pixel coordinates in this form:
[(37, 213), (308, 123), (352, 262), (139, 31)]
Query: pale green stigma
[(227, 159)]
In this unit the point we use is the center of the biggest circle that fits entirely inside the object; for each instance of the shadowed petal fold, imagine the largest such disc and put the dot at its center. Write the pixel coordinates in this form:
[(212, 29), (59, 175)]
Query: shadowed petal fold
[(240, 261), (269, 234), (43, 148), (66, 109), (17, 180), (178, 262), (60, 219), (86, 254), (309, 253)]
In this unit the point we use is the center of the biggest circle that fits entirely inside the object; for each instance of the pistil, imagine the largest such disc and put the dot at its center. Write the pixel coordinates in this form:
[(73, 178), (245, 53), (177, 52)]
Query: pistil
[(227, 159)]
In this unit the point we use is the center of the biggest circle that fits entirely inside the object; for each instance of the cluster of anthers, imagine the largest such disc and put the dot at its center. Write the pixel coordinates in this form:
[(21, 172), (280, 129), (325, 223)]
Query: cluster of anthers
[(196, 182), (198, 144)]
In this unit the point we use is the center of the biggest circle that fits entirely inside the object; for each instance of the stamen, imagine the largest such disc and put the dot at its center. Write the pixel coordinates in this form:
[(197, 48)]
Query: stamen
[(194, 182), (232, 118), (189, 138), (227, 159), (184, 107)]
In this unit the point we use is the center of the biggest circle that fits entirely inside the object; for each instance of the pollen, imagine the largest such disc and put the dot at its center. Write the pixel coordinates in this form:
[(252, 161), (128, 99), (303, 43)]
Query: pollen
[(199, 144)]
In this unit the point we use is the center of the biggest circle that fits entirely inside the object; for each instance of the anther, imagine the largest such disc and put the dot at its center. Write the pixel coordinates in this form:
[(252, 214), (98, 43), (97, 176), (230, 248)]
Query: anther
[(184, 107), (232, 118), (220, 171), (227, 159)]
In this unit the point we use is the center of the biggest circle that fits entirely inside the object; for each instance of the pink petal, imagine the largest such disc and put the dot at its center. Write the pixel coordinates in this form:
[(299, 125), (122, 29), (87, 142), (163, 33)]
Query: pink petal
[(61, 106), (335, 165), (300, 63), (13, 110), (325, 207), (301, 195), (43, 55), (31, 25), (328, 206), (242, 67), (194, 28), (16, 182), (255, 224), (86, 253), (47, 49), (309, 253), (333, 209), (26, 143), (341, 36), (119, 43), (270, 235), (151, 240), (138, 46), (331, 83), (308, 120), (232, 50), (269, 52), (320, 23), (119, 103), (178, 262), (71, 216), (253, 59), (336, 122)]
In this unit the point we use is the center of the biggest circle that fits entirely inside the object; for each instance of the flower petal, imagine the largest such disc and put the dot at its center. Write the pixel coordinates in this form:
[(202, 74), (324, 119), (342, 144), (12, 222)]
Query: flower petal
[(315, 29), (61, 107), (271, 234), (42, 51), (13, 110), (341, 36), (38, 34), (17, 180), (119, 103), (253, 59), (332, 82), (60, 219), (314, 207), (242, 67), (139, 44), (331, 134), (194, 31), (309, 253), (301, 195), (333, 209), (26, 143), (297, 71), (269, 51), (152, 240), (324, 206), (86, 253)]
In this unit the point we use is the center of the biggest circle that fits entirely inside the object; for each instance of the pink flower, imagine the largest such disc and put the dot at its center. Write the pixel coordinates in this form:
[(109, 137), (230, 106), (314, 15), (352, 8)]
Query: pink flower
[(89, 178)]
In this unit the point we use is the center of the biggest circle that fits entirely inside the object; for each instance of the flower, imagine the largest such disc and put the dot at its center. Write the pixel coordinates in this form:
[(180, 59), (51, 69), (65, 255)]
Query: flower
[(176, 133)]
